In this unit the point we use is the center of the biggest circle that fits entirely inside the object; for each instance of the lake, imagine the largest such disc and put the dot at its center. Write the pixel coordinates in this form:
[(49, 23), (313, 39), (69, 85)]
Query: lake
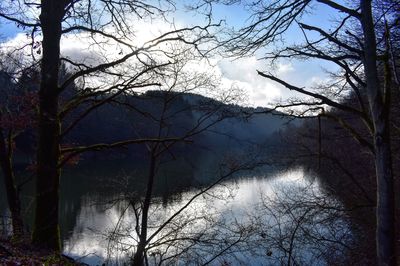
[(260, 217)]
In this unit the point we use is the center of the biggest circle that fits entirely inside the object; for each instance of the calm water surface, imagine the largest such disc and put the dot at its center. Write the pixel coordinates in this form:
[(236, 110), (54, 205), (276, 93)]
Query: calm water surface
[(253, 220)]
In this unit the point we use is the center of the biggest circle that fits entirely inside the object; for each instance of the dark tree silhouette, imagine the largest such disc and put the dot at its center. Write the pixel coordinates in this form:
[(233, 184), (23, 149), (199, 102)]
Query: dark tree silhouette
[(359, 44), (108, 20)]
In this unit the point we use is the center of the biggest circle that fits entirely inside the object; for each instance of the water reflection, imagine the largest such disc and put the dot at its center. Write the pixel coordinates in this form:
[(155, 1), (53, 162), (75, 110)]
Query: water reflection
[(261, 220)]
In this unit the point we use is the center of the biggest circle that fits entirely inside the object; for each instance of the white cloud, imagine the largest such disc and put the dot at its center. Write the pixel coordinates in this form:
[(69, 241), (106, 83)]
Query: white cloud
[(243, 73), (236, 77), (239, 75), (284, 68)]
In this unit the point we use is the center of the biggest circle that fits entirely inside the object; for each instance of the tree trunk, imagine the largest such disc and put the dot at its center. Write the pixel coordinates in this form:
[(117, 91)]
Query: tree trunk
[(14, 203), (379, 108), (46, 225), (138, 259)]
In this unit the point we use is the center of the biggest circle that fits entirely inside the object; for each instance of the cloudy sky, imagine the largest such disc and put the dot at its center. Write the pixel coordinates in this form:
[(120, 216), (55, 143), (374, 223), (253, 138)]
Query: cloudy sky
[(234, 72)]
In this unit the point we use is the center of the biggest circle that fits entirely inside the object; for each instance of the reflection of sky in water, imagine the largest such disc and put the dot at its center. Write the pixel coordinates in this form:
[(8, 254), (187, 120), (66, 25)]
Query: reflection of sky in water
[(233, 201)]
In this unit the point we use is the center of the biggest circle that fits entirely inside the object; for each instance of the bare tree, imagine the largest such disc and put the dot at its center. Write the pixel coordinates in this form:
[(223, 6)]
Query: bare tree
[(106, 22), (358, 45), (171, 237), (17, 115)]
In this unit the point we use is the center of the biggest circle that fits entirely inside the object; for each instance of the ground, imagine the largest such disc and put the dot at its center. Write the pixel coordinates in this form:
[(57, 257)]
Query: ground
[(24, 254)]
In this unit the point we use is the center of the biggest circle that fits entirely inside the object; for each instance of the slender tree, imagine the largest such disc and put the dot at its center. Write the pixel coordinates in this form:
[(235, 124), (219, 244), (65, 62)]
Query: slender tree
[(178, 81), (359, 46), (17, 115)]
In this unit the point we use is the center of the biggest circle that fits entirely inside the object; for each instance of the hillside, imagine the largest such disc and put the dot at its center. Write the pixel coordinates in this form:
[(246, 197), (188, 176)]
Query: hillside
[(206, 123)]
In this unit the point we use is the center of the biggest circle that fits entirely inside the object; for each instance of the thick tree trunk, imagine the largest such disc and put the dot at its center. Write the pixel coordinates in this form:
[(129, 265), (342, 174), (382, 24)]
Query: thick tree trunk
[(46, 225), (138, 259), (379, 108), (14, 203), (385, 211)]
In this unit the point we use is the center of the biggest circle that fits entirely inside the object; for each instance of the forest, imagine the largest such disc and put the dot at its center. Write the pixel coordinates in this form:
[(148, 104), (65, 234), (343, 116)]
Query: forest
[(199, 132)]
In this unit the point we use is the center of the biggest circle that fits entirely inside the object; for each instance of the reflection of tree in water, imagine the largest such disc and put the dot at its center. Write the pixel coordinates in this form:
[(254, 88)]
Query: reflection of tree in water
[(304, 226), (270, 221), (101, 181)]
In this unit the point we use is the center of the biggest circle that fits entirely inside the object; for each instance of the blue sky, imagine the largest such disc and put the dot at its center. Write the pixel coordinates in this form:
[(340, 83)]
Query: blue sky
[(8, 30), (242, 72)]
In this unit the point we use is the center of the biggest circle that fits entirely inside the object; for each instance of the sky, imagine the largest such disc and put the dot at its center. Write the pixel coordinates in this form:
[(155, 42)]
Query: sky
[(240, 73)]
